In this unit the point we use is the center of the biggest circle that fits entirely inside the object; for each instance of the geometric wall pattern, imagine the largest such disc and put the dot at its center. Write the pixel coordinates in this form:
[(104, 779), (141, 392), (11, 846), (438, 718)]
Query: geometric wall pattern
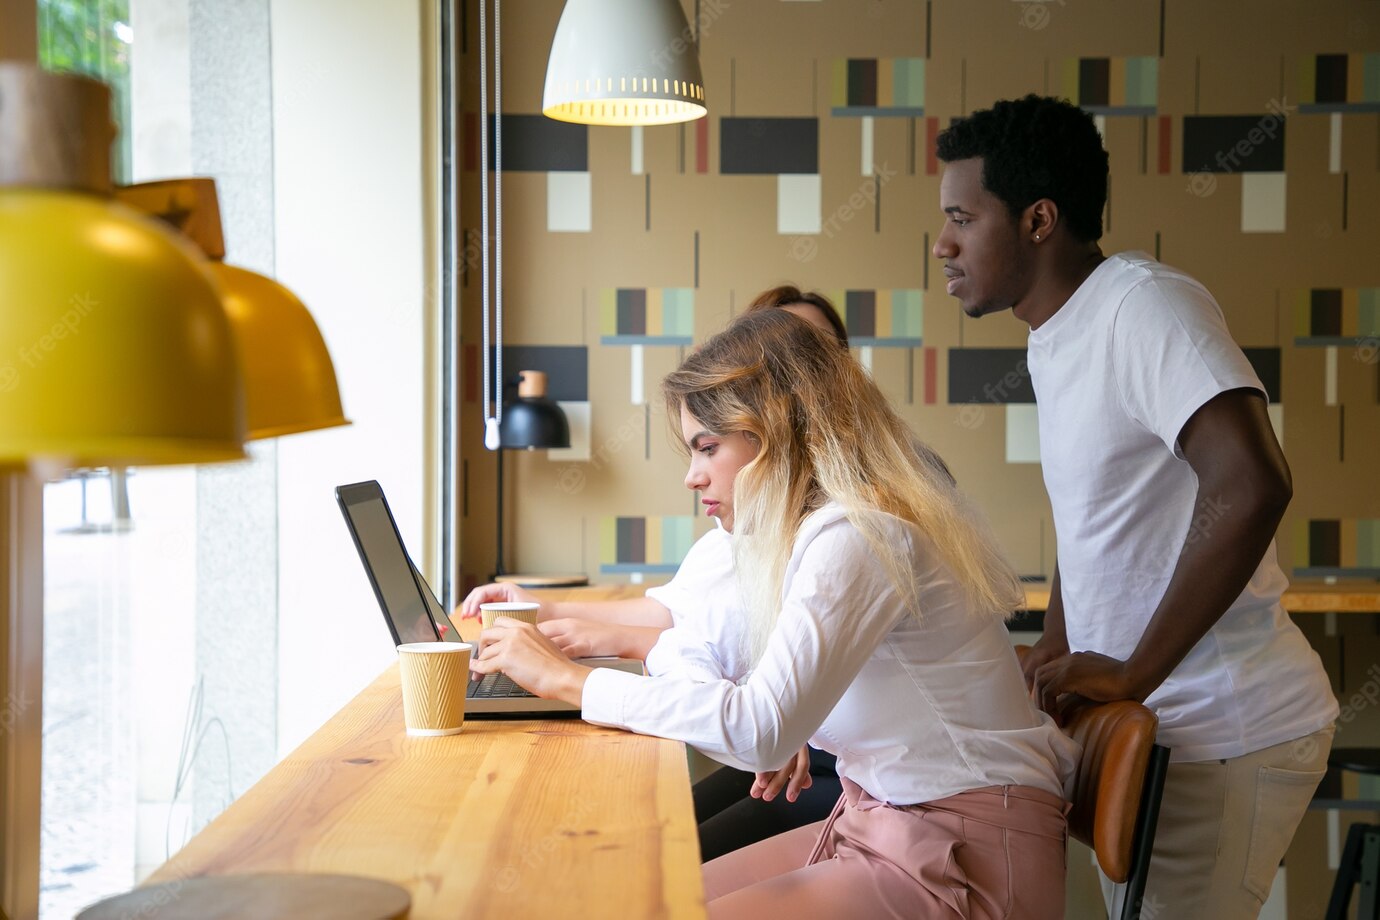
[(884, 319), (1335, 316), (1111, 86), (888, 88), (646, 316), (1338, 548), (1339, 83), (1249, 158), (644, 545)]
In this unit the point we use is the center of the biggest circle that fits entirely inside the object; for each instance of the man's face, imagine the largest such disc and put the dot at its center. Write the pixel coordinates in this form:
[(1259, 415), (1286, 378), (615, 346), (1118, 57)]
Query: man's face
[(984, 264)]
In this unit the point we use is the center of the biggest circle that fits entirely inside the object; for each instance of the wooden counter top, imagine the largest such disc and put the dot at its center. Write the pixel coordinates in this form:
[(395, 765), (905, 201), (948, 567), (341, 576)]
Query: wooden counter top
[(506, 819), (1302, 596)]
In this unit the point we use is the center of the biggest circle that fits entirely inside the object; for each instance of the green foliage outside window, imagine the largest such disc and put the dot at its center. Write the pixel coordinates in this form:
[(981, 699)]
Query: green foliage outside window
[(92, 37)]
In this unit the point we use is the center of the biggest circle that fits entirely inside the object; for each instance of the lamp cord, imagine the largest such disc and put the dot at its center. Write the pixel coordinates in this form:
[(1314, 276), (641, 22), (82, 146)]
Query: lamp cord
[(484, 195), (498, 201), (491, 421)]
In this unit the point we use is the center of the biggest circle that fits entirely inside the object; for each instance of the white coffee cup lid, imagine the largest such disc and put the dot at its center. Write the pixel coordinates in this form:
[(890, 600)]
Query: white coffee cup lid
[(500, 606), (435, 647)]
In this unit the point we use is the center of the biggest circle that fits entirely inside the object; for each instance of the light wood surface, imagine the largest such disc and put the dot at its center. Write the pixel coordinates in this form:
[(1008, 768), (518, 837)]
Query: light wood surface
[(1302, 596), (19, 37), (21, 686), (506, 819), (267, 894), (591, 593), (544, 581), (189, 205), (1344, 597), (55, 129)]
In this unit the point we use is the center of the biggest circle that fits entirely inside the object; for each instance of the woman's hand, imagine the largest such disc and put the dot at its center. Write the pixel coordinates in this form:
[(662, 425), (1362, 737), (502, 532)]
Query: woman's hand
[(583, 638), (533, 661), (497, 592), (594, 639), (795, 776), (1048, 648)]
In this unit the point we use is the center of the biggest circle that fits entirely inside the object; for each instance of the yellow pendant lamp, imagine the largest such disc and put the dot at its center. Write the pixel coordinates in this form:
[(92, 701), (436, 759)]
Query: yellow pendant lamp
[(114, 347), (114, 351), (290, 383), (289, 379)]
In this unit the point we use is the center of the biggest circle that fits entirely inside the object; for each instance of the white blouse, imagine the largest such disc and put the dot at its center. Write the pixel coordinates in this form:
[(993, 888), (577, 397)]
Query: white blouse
[(915, 709)]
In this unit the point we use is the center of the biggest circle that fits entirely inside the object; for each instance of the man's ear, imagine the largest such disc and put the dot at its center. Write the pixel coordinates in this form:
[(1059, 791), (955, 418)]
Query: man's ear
[(1040, 219)]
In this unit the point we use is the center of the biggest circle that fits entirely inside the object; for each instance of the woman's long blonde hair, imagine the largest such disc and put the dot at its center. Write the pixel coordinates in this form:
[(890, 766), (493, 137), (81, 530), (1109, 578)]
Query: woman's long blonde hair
[(825, 433)]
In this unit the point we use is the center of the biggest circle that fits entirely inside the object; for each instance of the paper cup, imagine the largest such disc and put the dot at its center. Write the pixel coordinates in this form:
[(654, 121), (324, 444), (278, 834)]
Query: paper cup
[(434, 678), (518, 610)]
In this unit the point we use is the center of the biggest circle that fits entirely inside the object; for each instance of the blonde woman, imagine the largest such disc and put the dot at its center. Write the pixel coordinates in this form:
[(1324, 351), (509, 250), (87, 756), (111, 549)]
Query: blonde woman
[(733, 807), (873, 629)]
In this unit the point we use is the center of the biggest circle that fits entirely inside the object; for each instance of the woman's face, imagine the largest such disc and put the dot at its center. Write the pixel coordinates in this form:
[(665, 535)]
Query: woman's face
[(715, 460)]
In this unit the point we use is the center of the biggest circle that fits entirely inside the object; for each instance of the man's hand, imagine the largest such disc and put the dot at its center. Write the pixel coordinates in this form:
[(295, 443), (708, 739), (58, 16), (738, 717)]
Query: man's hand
[(1048, 648), (495, 593), (795, 776), (533, 661), (1088, 674)]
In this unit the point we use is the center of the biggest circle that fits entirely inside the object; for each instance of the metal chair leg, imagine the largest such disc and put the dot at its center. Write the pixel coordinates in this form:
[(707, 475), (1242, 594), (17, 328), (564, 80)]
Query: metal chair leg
[(1143, 840), (1362, 848), (1369, 906)]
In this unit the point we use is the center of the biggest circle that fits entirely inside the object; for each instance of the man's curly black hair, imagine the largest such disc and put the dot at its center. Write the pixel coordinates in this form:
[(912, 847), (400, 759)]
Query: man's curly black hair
[(1032, 148)]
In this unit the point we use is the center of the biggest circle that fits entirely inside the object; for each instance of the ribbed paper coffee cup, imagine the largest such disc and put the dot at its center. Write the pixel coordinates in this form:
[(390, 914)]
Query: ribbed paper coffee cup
[(518, 610), (434, 678)]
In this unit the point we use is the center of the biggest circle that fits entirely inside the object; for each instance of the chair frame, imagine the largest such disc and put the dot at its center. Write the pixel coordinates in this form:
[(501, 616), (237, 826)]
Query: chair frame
[(1143, 838), (1359, 868)]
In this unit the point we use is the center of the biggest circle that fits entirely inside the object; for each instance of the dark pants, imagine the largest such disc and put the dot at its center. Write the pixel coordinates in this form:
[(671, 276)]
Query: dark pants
[(730, 819)]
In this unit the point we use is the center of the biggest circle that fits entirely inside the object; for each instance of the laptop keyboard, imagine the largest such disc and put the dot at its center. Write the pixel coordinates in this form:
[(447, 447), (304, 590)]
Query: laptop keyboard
[(495, 686)]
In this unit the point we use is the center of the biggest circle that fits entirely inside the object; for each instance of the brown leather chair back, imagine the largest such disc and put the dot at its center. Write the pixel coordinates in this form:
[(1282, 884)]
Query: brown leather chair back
[(1116, 738)]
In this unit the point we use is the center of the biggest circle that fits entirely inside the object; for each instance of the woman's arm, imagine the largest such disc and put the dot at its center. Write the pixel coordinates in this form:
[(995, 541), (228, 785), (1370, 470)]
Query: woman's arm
[(839, 607), (541, 663), (587, 638), (633, 611)]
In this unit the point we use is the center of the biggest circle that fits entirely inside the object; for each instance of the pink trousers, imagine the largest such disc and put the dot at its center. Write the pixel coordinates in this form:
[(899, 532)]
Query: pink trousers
[(986, 853)]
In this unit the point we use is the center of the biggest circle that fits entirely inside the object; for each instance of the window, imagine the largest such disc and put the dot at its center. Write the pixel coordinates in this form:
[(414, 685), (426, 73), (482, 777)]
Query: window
[(201, 621)]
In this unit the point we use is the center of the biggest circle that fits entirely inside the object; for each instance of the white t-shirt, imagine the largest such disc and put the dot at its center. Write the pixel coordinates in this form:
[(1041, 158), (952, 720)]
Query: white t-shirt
[(1117, 372), (915, 710)]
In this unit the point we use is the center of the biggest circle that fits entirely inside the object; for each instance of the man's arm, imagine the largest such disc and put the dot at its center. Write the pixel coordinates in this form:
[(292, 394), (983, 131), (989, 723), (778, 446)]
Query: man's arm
[(1244, 486)]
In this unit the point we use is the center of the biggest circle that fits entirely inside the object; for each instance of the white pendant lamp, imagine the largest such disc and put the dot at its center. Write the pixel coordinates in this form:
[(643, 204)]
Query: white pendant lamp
[(623, 62)]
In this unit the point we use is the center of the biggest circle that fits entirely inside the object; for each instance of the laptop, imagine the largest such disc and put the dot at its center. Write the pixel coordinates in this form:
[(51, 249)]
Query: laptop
[(413, 614)]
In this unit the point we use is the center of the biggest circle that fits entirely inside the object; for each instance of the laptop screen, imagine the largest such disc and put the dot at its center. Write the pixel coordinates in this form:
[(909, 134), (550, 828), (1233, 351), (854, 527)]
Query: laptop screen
[(386, 562)]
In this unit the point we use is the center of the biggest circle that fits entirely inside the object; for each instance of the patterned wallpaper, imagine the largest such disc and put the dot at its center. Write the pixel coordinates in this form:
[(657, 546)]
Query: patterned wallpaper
[(1245, 149)]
